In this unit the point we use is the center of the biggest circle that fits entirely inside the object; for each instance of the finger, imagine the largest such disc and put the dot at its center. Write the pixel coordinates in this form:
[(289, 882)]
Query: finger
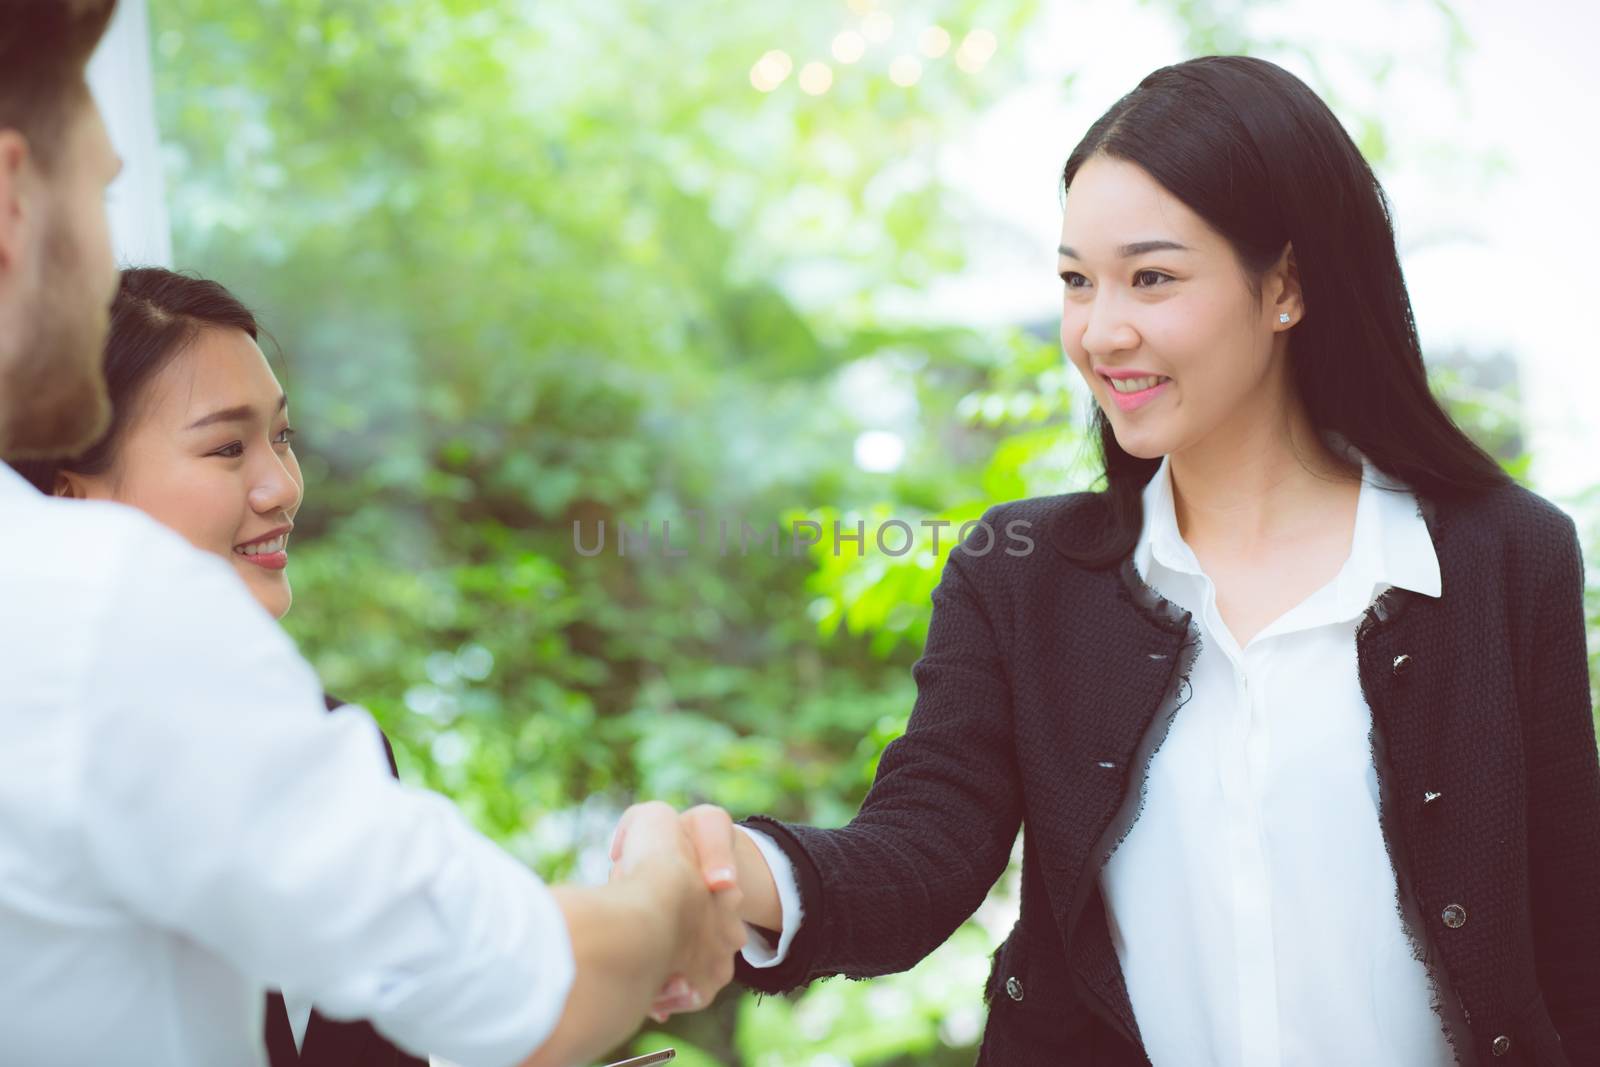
[(711, 831), (620, 834), (735, 935), (690, 1001), (651, 818), (672, 1006), (674, 997)]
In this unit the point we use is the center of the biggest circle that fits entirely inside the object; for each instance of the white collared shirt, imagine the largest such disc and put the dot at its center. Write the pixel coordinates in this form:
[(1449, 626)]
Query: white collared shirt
[(181, 824), (1252, 904)]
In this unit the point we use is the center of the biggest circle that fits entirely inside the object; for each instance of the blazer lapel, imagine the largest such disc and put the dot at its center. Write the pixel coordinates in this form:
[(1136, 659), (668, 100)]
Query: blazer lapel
[(1132, 673), (279, 1035)]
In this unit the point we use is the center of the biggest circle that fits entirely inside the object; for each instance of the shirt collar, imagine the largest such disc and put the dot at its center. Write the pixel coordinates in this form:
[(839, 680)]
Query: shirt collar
[(1392, 544), (13, 484)]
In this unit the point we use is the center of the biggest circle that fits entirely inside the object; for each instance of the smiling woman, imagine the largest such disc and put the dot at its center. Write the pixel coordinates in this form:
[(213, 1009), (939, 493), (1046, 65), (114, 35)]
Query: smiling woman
[(1304, 606), (200, 435), (200, 441)]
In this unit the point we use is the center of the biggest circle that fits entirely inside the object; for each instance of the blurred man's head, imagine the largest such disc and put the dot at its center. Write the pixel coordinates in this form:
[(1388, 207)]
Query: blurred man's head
[(57, 275)]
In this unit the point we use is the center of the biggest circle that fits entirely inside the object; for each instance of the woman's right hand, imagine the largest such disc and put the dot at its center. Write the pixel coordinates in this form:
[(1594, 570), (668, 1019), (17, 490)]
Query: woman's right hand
[(728, 859)]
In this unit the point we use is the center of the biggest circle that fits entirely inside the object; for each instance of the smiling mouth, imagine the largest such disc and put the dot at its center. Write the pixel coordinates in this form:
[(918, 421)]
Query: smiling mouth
[(270, 547), (1135, 385)]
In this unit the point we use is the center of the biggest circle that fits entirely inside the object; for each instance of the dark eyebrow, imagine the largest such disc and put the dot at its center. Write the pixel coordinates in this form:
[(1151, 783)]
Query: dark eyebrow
[(1138, 248), (242, 413)]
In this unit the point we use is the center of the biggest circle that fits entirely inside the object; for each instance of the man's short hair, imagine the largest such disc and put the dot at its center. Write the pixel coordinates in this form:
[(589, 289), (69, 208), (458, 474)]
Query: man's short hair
[(44, 46)]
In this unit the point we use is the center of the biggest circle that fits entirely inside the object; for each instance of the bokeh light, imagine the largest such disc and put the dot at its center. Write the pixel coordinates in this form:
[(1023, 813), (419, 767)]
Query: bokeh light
[(934, 41), (816, 78), (905, 71), (880, 451), (849, 46), (976, 50), (770, 70)]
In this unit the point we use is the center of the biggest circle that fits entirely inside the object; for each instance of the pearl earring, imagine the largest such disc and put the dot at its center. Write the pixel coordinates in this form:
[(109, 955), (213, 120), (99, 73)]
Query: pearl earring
[(1283, 316)]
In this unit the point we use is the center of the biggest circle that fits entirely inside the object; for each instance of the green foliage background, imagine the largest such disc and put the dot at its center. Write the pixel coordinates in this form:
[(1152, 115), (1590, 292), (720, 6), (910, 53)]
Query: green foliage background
[(532, 264)]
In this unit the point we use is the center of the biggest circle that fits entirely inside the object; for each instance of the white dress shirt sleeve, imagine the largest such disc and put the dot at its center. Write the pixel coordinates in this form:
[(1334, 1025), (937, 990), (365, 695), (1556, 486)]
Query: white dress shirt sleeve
[(757, 953), (222, 802)]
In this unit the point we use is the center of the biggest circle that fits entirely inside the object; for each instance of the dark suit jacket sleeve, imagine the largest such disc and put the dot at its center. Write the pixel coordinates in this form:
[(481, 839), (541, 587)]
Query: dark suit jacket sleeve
[(1564, 805), (937, 827)]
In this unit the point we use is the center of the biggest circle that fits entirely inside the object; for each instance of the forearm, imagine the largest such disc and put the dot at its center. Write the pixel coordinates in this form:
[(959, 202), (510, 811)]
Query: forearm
[(880, 894), (622, 947)]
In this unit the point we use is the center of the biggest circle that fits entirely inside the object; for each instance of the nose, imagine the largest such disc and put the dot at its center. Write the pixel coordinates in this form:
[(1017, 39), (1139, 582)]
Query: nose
[(276, 486), (1106, 329)]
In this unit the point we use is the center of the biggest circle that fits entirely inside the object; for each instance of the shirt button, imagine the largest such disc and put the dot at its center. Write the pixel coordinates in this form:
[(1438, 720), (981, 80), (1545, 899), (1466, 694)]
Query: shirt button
[(1013, 988), (1501, 1045), (1402, 663), (1454, 916)]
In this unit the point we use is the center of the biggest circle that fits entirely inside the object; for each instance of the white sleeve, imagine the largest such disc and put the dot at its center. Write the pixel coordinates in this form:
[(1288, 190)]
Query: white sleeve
[(223, 803), (757, 953)]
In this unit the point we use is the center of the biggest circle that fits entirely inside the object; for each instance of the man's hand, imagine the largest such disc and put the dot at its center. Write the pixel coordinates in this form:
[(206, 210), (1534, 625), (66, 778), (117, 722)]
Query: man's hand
[(696, 884)]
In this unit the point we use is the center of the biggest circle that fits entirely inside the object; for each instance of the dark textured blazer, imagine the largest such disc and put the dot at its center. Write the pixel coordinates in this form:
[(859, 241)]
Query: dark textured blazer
[(1044, 689), (329, 1043)]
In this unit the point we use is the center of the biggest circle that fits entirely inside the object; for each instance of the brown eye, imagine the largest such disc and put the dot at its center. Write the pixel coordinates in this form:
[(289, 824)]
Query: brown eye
[(230, 451), (285, 436), (1155, 274), (1074, 280)]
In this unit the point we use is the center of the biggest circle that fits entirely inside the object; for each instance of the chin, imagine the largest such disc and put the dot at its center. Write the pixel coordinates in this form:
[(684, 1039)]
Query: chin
[(1139, 445), (271, 591), (277, 601)]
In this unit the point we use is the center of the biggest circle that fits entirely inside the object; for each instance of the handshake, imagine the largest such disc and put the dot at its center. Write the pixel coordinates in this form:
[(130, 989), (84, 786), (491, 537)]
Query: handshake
[(708, 879)]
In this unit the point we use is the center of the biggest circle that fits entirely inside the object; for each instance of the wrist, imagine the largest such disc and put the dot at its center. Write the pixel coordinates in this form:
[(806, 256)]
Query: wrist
[(648, 905), (760, 905)]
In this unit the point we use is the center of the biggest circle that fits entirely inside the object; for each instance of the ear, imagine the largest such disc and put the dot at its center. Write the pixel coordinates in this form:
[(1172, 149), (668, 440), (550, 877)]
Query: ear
[(71, 486), (14, 161), (1283, 285)]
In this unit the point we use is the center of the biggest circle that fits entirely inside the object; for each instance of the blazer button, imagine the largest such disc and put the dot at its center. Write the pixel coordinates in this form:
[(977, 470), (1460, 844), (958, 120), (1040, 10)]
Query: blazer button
[(1402, 663), (1454, 916), (1013, 988), (1501, 1045)]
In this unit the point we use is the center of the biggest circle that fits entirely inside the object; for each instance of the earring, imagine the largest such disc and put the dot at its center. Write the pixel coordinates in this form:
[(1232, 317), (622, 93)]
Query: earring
[(1283, 316)]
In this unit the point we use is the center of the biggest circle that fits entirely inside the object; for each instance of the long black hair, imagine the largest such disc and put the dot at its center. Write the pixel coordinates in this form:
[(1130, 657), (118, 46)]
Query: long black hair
[(156, 313), (1258, 155)]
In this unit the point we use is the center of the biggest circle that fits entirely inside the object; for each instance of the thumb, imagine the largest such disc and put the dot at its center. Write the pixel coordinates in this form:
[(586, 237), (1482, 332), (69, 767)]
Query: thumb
[(711, 831)]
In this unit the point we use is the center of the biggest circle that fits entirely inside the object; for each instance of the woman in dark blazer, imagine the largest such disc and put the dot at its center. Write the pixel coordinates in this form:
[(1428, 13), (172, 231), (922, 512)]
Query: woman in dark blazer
[(229, 484), (1295, 711)]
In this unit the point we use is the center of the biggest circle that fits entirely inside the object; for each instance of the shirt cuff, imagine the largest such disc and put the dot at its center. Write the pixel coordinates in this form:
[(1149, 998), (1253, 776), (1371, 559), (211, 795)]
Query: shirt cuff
[(757, 952)]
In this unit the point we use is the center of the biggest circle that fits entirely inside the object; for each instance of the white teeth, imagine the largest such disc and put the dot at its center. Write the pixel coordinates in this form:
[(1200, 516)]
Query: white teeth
[(274, 545), (1134, 385)]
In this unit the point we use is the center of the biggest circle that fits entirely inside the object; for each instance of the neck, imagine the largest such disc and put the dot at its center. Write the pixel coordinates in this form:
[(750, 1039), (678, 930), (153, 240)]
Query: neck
[(1254, 482)]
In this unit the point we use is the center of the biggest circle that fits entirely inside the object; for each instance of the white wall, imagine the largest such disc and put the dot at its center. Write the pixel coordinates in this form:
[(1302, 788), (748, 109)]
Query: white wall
[(119, 74)]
